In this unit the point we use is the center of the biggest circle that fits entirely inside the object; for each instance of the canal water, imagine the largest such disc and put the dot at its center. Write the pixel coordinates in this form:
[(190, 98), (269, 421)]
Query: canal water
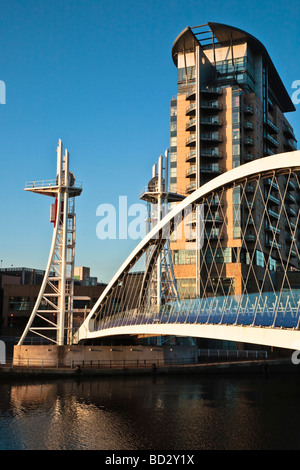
[(152, 413)]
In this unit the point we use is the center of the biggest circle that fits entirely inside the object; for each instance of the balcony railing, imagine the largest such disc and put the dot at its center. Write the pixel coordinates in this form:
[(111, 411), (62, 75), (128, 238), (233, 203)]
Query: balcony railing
[(290, 199), (191, 109), (289, 131), (190, 124), (273, 214), (191, 156), (211, 121), (273, 199), (191, 171), (272, 229), (248, 109), (273, 244), (211, 105), (191, 187), (191, 94), (212, 90), (190, 140), (269, 182), (290, 144), (272, 126), (272, 142), (291, 212), (248, 141), (213, 168), (211, 137), (212, 153)]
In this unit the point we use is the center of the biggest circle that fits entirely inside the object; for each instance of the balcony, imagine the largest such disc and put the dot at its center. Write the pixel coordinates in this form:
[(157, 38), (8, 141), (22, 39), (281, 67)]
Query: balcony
[(272, 229), (191, 110), (191, 140), (271, 141), (249, 157), (213, 168), (248, 141), (288, 131), (290, 225), (211, 121), (273, 200), (269, 182), (213, 219), (250, 237), (211, 137), (214, 105), (191, 187), (248, 126), (211, 153), (249, 188), (191, 156), (268, 152), (291, 212), (273, 214), (272, 244), (289, 144), (214, 201), (212, 90), (191, 125), (248, 109), (191, 171), (250, 205), (191, 95), (291, 185), (290, 199), (291, 253), (289, 239), (271, 126), (191, 236), (213, 235)]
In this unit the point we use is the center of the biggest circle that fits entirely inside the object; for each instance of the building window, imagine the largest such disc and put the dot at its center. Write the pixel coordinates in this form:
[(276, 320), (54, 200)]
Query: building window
[(186, 73), (273, 264), (186, 288), (19, 303), (219, 256), (184, 256), (260, 261), (236, 200)]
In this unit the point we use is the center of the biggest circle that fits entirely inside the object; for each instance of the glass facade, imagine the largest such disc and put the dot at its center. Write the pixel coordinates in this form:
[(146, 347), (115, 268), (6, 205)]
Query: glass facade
[(241, 69)]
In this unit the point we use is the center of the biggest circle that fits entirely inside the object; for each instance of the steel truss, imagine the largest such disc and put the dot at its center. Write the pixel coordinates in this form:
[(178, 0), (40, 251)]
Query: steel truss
[(52, 315)]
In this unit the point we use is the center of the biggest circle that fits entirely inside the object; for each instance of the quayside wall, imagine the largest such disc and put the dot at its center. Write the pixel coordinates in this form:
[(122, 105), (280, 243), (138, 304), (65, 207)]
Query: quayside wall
[(71, 356)]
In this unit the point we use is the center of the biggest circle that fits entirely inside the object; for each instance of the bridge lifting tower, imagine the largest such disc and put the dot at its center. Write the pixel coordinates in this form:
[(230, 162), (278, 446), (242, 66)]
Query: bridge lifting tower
[(157, 195), (54, 305)]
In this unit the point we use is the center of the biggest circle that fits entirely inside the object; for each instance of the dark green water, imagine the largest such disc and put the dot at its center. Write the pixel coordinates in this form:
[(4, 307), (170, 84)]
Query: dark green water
[(152, 413)]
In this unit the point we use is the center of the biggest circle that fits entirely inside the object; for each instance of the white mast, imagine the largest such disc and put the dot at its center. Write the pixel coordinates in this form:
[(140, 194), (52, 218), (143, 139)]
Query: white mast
[(54, 305)]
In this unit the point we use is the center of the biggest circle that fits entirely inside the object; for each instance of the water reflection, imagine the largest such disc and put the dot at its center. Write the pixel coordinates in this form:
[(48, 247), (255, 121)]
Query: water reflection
[(145, 413)]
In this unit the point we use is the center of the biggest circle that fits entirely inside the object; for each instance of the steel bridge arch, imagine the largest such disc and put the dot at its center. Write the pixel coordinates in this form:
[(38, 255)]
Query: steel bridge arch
[(277, 164)]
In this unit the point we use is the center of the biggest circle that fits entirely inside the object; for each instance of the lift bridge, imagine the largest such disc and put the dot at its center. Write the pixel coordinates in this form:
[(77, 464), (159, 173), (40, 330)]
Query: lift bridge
[(245, 289)]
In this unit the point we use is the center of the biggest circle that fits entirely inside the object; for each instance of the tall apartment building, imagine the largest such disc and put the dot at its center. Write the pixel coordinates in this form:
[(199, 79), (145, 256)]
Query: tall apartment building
[(229, 109)]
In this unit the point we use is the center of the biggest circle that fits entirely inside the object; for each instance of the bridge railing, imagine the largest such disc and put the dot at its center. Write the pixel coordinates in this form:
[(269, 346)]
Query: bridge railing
[(270, 309)]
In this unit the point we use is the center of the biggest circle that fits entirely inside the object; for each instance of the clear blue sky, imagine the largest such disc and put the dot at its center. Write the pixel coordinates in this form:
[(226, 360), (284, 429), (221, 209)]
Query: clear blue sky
[(99, 75)]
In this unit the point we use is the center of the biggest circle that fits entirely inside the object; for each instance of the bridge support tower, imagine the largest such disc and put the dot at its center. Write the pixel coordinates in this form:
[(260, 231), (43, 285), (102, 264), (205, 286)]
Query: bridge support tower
[(52, 315)]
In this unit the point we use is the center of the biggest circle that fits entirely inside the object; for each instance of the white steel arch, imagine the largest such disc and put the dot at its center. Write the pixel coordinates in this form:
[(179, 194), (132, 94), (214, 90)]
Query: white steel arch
[(279, 164)]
